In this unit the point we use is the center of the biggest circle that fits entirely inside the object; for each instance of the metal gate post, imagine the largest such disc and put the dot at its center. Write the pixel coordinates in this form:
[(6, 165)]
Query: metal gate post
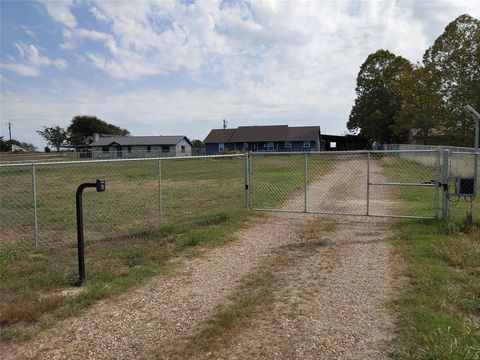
[(250, 181), (34, 200), (445, 182), (437, 183), (305, 178), (247, 182), (160, 205), (368, 184)]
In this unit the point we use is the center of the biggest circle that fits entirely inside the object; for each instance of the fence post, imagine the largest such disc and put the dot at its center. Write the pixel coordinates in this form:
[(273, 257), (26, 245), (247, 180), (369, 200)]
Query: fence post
[(34, 200), (445, 182), (250, 181), (368, 184), (160, 205), (247, 182), (305, 185)]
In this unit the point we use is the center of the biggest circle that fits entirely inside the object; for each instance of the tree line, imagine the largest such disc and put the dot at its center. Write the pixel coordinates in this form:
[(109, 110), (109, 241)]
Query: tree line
[(6, 145), (397, 100), (81, 126)]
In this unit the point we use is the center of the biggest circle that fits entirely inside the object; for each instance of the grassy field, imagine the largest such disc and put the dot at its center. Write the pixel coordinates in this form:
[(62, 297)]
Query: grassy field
[(134, 198), (438, 312)]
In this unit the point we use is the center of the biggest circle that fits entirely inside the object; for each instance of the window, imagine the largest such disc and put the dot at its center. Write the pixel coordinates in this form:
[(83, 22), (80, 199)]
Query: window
[(105, 148), (268, 146), (333, 145), (306, 144), (288, 144), (165, 148), (221, 147), (149, 148), (129, 149), (182, 148), (245, 146)]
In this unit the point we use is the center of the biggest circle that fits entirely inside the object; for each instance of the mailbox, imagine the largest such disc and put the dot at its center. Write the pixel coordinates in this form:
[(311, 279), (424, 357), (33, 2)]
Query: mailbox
[(100, 185)]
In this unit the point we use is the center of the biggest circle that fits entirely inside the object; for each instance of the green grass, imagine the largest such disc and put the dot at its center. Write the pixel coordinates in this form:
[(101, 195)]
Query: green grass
[(438, 312), (134, 197)]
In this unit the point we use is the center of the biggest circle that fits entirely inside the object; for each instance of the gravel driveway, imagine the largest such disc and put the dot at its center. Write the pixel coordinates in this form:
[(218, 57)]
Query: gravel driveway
[(327, 304)]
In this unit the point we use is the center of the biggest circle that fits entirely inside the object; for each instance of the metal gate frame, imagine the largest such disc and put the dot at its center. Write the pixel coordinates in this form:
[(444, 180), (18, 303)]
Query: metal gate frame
[(440, 179)]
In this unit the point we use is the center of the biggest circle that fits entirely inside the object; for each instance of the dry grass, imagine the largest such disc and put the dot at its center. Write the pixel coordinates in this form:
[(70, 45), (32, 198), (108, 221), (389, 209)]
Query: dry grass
[(24, 309)]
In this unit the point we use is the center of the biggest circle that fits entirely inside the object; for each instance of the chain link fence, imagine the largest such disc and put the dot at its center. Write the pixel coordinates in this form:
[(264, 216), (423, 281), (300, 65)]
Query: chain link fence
[(37, 201)]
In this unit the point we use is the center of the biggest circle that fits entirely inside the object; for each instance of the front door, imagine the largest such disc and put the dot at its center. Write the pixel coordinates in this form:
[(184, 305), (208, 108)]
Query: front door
[(119, 151)]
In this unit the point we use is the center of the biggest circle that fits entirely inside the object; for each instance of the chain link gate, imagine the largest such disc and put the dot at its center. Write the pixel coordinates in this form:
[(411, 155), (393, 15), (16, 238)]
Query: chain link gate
[(403, 183)]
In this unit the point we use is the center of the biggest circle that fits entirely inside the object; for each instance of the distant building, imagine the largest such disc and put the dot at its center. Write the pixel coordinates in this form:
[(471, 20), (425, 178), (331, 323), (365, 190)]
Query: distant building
[(263, 138), (139, 146), (16, 148)]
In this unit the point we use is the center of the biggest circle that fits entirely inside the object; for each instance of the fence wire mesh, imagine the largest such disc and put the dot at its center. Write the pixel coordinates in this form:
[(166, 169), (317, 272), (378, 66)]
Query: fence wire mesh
[(38, 201), (401, 183), (404, 183)]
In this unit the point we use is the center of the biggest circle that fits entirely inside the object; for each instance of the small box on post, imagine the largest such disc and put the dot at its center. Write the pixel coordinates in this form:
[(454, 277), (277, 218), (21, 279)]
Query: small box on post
[(100, 185), (465, 186)]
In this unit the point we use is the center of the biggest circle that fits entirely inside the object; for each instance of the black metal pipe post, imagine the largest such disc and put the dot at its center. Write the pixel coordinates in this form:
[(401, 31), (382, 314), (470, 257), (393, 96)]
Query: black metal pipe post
[(100, 185)]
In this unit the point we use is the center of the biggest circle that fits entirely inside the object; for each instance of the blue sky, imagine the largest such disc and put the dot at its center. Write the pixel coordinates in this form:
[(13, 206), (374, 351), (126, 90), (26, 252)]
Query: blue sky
[(180, 67)]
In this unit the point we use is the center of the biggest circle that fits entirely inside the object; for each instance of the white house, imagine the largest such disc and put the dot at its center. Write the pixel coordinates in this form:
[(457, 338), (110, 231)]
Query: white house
[(140, 146)]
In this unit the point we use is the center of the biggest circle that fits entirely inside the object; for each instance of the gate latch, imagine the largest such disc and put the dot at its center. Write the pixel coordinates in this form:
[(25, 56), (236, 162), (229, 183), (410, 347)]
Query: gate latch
[(444, 186)]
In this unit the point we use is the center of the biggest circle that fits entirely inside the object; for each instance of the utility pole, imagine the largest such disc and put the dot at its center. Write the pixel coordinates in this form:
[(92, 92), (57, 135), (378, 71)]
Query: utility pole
[(225, 122), (10, 136)]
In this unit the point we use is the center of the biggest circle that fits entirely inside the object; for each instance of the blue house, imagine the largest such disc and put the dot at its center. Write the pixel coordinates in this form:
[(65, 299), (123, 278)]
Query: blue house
[(263, 138)]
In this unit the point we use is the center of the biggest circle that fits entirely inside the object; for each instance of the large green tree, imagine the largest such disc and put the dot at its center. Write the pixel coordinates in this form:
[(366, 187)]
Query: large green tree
[(454, 62), (378, 101), (86, 125), (422, 107), (55, 136)]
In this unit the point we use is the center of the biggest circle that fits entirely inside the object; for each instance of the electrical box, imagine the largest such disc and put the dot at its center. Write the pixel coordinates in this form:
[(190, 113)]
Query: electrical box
[(465, 186), (100, 185)]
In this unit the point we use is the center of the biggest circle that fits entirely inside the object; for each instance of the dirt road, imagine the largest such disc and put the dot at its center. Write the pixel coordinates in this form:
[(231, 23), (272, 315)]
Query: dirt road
[(291, 286)]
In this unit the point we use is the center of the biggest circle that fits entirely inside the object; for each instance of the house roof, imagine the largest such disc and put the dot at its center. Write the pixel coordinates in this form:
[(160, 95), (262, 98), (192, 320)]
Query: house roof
[(219, 135), (263, 133), (139, 140)]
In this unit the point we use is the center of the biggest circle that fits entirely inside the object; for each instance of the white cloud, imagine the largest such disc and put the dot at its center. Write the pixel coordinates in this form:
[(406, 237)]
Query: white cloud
[(21, 69), (60, 12), (233, 41)]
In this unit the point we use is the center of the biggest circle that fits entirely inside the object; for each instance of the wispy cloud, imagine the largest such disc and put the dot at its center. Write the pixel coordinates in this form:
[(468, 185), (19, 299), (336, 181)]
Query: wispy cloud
[(60, 12), (31, 61), (22, 69)]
